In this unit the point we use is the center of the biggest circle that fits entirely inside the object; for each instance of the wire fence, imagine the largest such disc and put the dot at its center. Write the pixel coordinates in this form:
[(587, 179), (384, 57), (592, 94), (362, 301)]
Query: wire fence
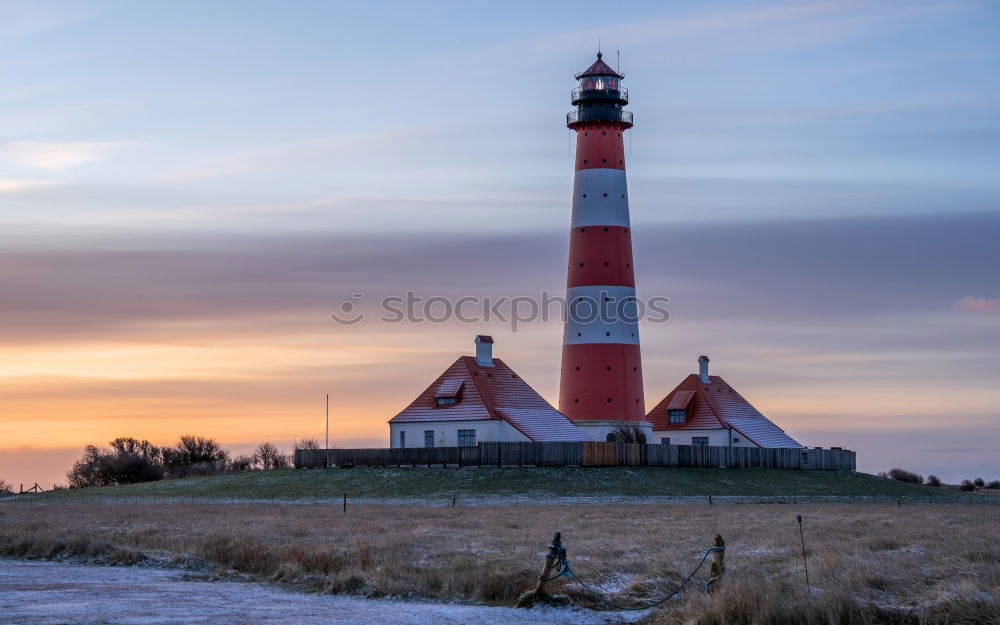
[(345, 500)]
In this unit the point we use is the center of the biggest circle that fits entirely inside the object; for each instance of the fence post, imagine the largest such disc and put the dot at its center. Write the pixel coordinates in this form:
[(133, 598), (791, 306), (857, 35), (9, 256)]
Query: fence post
[(718, 567), (802, 538), (345, 503), (528, 598)]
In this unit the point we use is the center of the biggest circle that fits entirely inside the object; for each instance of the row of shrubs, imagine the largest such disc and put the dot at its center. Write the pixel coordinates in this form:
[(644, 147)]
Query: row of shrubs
[(910, 477), (129, 461)]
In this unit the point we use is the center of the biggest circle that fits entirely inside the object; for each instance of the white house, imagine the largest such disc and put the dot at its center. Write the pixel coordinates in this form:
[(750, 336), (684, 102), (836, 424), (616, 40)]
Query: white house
[(705, 410), (479, 399)]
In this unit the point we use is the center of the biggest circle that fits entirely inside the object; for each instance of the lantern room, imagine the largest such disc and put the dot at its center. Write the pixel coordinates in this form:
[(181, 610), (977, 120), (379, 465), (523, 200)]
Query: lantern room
[(599, 95)]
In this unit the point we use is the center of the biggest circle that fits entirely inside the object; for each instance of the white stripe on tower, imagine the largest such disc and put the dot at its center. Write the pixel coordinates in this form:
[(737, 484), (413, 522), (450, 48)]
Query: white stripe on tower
[(600, 198)]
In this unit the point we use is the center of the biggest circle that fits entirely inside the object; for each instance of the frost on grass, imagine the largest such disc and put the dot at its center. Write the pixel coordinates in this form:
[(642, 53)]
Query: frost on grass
[(866, 562)]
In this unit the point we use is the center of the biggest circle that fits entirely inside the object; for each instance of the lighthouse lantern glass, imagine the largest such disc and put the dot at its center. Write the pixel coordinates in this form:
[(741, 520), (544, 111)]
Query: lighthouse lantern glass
[(599, 83)]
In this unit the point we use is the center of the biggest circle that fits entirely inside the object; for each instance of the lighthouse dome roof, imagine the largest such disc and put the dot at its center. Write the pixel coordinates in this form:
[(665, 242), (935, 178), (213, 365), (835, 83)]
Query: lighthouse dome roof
[(599, 68)]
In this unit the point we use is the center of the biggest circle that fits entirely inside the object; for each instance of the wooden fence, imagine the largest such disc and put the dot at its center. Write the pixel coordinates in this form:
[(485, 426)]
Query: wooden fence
[(589, 454)]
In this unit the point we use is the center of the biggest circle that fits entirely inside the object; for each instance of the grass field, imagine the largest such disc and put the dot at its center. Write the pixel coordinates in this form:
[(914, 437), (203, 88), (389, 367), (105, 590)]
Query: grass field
[(531, 483), (868, 563)]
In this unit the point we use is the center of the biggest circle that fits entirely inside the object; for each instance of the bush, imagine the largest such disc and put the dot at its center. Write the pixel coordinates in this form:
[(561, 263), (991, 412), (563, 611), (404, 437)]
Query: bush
[(627, 433), (194, 455), (978, 482), (129, 460), (901, 475), (267, 457), (6, 488), (933, 480), (994, 485), (241, 463), (124, 461), (967, 486)]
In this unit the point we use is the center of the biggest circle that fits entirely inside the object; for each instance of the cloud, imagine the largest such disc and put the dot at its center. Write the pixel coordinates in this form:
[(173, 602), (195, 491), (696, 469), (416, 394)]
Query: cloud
[(798, 24), (787, 271), (18, 185), (982, 305), (55, 156)]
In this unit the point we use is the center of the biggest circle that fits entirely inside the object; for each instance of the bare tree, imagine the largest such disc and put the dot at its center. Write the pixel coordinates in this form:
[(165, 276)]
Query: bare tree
[(267, 457), (306, 443), (125, 461), (241, 463), (5, 487), (627, 433), (194, 455)]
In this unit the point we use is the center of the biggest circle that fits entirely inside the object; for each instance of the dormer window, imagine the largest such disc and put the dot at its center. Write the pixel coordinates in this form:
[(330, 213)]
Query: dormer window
[(447, 393), (678, 407)]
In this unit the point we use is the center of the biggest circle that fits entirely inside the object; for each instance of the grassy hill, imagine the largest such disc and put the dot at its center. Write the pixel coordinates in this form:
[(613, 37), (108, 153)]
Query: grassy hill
[(490, 484)]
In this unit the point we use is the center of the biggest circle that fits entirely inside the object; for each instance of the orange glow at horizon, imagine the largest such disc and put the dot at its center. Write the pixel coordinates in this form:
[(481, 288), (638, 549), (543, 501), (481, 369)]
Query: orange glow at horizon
[(244, 392)]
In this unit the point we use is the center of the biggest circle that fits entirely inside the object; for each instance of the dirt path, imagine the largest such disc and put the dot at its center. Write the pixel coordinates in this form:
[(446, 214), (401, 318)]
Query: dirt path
[(50, 593)]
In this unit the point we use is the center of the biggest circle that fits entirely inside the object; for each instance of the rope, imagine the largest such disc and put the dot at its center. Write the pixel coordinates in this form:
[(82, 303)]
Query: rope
[(564, 570)]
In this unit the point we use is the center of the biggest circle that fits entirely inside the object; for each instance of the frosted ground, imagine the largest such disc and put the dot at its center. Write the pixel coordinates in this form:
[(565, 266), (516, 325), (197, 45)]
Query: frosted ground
[(53, 593)]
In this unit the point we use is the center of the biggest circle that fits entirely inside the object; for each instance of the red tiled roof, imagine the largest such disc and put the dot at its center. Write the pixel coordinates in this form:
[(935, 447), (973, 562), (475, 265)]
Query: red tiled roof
[(547, 424), (718, 405), (599, 68), (449, 388), (681, 400), (492, 393)]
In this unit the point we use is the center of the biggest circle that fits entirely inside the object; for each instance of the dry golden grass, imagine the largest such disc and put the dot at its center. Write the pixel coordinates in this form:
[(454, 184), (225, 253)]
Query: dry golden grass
[(867, 563)]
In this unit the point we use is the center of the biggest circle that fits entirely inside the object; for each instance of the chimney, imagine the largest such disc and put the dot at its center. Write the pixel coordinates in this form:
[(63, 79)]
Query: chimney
[(484, 350), (703, 369)]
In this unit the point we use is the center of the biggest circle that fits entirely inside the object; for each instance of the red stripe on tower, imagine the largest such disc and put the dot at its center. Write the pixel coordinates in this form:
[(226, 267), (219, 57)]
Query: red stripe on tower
[(601, 382)]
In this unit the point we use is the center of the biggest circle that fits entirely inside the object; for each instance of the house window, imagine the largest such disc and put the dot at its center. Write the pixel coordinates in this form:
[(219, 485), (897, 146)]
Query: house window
[(675, 416), (444, 401), (466, 438), (736, 439), (428, 438), (665, 441), (699, 440), (402, 439)]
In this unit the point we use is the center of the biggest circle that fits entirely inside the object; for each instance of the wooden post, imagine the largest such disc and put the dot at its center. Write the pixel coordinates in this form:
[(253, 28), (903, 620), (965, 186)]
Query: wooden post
[(550, 562), (345, 503), (805, 563), (538, 594), (718, 562)]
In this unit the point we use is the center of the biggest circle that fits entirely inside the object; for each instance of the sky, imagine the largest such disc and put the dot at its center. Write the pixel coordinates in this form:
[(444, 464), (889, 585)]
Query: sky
[(189, 189)]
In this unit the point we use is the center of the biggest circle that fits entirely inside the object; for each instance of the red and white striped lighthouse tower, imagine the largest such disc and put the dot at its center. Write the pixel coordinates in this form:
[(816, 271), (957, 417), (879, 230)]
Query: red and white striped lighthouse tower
[(601, 381)]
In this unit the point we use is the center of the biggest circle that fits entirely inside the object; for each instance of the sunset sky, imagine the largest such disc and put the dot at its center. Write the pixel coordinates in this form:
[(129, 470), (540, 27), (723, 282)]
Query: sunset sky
[(189, 189)]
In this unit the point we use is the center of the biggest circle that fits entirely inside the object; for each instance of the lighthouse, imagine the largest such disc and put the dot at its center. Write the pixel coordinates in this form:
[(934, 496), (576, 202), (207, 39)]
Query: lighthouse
[(600, 385)]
